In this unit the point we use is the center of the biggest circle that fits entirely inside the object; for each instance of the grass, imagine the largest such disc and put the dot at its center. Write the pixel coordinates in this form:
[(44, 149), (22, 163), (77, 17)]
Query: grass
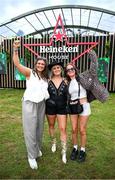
[(100, 161)]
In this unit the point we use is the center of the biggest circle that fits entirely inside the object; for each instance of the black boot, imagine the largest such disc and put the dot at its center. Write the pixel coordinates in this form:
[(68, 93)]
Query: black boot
[(74, 154), (82, 156)]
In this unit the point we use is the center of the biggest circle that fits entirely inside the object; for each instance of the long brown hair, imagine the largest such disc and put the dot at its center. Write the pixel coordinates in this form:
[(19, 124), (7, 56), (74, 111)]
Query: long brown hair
[(52, 75), (44, 73), (76, 71)]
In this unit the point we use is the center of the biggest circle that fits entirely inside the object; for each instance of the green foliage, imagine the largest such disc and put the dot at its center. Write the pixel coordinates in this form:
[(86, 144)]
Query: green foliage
[(103, 69), (3, 63), (27, 55), (8, 56), (107, 49), (100, 160)]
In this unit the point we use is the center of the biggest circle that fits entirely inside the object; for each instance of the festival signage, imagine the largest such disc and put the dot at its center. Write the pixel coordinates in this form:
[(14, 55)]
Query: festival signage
[(59, 47), (3, 63)]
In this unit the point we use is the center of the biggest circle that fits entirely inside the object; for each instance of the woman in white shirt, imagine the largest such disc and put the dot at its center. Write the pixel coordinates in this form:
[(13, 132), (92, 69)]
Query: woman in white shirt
[(81, 118), (86, 87), (33, 104)]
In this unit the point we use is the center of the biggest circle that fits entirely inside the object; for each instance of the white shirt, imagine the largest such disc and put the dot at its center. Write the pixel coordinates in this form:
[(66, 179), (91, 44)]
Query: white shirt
[(74, 88), (36, 89)]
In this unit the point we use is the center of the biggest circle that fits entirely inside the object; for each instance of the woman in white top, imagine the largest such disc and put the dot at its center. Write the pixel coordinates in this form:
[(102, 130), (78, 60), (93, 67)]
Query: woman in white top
[(86, 87), (33, 104), (82, 118)]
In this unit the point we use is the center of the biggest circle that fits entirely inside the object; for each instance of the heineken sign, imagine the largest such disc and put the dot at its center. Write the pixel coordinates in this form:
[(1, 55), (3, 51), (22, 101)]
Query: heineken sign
[(52, 49), (59, 47)]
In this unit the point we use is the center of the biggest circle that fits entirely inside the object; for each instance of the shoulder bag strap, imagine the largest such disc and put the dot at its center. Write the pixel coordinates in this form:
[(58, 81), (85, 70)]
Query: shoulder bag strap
[(79, 89), (68, 94)]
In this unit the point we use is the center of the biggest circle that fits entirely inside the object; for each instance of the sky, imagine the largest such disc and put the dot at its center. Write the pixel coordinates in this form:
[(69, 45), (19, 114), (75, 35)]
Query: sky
[(12, 8)]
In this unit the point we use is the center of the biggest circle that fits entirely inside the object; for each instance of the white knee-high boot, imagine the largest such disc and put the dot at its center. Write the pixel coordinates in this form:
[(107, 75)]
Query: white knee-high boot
[(63, 152), (53, 141)]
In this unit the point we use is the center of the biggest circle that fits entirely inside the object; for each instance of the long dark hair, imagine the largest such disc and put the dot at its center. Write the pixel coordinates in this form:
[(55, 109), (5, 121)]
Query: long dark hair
[(76, 71), (44, 73)]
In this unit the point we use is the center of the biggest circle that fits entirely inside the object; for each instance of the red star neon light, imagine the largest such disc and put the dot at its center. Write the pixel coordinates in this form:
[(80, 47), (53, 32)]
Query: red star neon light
[(58, 37)]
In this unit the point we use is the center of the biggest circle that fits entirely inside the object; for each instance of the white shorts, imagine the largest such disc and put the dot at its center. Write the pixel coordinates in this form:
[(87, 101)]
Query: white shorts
[(86, 109)]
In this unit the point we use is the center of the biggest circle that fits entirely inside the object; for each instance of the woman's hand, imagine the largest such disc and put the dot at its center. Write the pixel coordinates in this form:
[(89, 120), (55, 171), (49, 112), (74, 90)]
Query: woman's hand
[(24, 70), (16, 44)]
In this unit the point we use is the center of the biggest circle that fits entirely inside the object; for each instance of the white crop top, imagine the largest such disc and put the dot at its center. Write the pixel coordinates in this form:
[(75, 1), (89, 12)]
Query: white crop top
[(36, 89), (74, 88)]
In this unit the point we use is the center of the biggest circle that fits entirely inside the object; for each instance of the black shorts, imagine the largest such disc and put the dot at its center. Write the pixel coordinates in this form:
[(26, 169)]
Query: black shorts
[(53, 109)]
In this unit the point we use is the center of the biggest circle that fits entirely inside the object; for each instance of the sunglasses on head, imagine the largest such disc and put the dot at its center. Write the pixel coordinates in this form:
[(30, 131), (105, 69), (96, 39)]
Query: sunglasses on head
[(70, 69)]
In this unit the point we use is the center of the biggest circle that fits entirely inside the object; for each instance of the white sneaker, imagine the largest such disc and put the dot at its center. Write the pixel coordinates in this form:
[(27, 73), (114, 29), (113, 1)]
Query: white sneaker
[(53, 148), (39, 153), (33, 163), (64, 158)]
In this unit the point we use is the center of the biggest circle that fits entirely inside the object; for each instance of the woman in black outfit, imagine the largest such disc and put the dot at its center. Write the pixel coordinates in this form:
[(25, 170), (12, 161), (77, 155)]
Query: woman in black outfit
[(56, 107)]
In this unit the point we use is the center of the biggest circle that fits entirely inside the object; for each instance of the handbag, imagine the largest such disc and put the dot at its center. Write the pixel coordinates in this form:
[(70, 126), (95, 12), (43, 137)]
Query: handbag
[(77, 107)]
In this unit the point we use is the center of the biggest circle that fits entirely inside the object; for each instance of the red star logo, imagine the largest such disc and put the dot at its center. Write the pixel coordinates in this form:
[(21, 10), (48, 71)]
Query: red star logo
[(59, 37)]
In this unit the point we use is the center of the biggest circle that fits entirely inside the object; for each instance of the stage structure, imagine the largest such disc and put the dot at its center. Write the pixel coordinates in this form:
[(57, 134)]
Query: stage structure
[(59, 43)]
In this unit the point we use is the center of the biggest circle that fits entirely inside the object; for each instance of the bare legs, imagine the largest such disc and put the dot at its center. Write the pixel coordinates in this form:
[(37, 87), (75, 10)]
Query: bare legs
[(83, 125), (79, 125), (51, 123), (62, 122), (82, 120)]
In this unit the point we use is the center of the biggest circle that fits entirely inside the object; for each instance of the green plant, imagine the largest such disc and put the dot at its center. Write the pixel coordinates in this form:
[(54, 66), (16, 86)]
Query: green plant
[(8, 55), (107, 49), (27, 55)]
